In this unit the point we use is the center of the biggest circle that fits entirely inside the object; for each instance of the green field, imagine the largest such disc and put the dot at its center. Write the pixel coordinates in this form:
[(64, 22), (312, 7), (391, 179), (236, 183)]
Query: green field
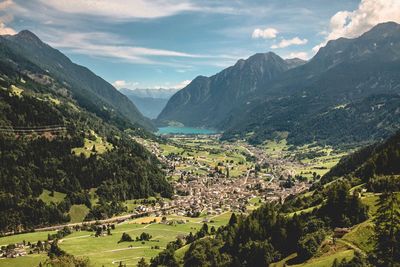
[(27, 261), (100, 145), (107, 251), (28, 237), (78, 213), (327, 261), (56, 198)]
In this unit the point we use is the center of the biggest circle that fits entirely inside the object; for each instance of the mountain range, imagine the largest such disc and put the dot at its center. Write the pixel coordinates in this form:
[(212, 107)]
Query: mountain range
[(347, 93), (90, 90), (150, 102)]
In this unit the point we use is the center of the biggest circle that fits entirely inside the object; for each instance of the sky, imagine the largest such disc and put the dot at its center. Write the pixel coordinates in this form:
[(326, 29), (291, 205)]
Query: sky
[(167, 43)]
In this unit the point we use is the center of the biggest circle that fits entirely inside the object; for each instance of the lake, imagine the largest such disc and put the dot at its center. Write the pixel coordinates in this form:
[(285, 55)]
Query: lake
[(185, 130)]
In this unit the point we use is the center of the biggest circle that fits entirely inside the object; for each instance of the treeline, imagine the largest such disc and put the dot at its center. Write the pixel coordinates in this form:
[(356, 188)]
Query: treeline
[(374, 160)]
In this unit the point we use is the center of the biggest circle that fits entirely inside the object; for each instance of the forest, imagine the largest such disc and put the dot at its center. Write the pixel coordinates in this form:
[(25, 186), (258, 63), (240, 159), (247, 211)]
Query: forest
[(32, 162)]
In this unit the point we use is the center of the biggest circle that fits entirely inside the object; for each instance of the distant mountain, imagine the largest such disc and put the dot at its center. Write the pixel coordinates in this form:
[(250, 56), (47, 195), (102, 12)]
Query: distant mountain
[(295, 62), (349, 92), (88, 89), (150, 102), (160, 93), (207, 101)]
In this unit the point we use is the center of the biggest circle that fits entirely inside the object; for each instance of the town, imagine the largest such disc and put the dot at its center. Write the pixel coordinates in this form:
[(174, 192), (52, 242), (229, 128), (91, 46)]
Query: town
[(204, 184)]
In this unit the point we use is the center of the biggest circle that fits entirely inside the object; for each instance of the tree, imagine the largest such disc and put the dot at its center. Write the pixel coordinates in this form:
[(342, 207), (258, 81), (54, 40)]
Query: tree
[(233, 220), (55, 251), (142, 263), (165, 258), (387, 230), (125, 238)]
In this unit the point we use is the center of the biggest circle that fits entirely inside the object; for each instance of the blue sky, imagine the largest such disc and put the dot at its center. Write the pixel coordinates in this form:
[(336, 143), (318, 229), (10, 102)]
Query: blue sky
[(167, 43)]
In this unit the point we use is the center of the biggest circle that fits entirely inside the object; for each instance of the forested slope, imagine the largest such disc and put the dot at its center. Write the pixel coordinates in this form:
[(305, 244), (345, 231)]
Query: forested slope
[(51, 140)]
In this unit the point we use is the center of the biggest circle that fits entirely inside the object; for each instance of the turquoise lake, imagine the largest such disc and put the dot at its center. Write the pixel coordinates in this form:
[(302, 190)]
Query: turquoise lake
[(184, 130)]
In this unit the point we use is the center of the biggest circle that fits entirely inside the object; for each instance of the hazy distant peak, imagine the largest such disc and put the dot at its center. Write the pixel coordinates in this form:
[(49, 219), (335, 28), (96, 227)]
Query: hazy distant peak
[(295, 62)]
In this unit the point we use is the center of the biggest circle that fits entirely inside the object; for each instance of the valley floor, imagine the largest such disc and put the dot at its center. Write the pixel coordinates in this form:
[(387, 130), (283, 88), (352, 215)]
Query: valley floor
[(211, 179)]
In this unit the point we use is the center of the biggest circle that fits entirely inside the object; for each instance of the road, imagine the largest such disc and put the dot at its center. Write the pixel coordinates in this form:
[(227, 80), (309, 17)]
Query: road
[(110, 220)]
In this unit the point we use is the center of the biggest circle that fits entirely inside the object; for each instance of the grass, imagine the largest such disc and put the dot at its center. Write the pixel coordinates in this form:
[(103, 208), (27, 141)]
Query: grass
[(28, 237), (78, 213), (101, 146), (47, 198), (371, 200), (307, 210), (361, 236), (29, 260), (106, 250), (327, 261)]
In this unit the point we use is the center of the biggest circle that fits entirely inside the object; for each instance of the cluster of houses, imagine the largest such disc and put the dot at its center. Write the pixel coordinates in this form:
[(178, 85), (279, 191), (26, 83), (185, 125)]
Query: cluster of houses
[(13, 251), (205, 190)]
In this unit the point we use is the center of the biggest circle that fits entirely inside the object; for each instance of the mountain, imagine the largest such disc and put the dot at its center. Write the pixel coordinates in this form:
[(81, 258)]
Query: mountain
[(349, 92), (206, 101), (158, 93), (54, 138), (150, 102), (90, 90)]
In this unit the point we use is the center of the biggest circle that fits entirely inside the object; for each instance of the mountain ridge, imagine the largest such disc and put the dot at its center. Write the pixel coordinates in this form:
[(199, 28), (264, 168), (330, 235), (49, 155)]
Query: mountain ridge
[(82, 82), (351, 73)]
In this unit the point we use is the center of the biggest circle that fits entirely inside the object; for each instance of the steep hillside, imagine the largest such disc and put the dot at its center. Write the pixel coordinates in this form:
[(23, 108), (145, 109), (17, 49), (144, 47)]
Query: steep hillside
[(49, 140), (206, 101), (91, 91), (374, 160), (348, 93)]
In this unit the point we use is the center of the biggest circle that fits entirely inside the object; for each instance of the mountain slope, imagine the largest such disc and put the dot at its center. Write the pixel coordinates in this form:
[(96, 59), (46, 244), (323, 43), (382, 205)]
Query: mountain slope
[(206, 101), (49, 140), (348, 93), (92, 91), (377, 159)]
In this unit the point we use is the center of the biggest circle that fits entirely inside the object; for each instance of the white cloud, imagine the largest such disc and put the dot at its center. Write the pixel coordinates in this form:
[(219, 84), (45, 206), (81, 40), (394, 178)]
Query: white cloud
[(134, 9), (288, 42), (119, 84), (167, 85), (352, 24), (111, 46), (182, 84), (4, 30), (122, 9), (268, 33), (301, 55)]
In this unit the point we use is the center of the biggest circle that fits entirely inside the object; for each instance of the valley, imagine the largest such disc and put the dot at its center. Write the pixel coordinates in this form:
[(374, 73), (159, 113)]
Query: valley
[(211, 180), (204, 134)]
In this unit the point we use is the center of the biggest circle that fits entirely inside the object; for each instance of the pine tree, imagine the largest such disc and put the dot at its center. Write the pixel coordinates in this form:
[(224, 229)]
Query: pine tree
[(233, 220), (387, 230), (142, 263)]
